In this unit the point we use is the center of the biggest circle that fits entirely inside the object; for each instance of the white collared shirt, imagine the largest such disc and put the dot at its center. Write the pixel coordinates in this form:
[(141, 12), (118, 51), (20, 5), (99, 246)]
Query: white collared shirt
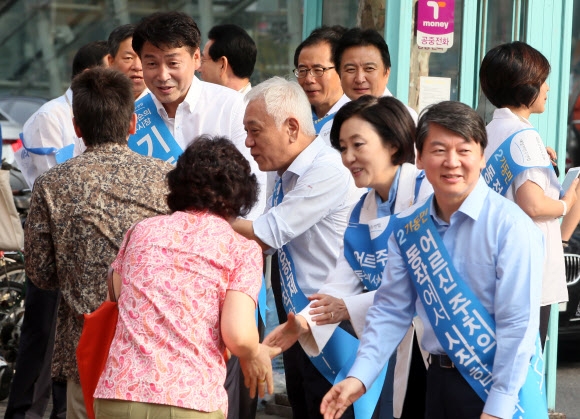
[(312, 217), (212, 109), (50, 126), (245, 89), (412, 111)]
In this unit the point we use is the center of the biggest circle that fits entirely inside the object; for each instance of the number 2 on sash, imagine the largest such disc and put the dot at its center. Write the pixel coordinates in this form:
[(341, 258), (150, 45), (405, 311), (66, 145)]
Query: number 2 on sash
[(401, 236)]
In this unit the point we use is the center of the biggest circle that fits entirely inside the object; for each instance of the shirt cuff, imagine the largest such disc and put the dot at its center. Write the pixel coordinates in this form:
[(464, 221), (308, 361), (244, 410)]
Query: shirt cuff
[(365, 371), (500, 404), (357, 306), (315, 341)]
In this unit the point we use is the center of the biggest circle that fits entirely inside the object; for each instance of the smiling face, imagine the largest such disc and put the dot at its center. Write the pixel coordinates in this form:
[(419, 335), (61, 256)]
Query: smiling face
[(128, 62), (268, 144), (366, 156), (362, 72), (168, 73), (452, 166), (323, 92)]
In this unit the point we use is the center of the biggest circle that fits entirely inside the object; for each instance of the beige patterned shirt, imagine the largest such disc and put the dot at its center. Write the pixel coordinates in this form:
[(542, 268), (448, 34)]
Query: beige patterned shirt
[(79, 212)]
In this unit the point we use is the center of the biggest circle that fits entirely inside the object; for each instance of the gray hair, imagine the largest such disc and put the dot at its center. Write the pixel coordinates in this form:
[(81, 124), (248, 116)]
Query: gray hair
[(283, 99)]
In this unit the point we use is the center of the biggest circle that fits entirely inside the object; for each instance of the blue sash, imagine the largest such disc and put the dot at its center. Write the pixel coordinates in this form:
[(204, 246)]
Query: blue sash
[(60, 154), (153, 138), (339, 353), (461, 323), (512, 157), (319, 123), (367, 257)]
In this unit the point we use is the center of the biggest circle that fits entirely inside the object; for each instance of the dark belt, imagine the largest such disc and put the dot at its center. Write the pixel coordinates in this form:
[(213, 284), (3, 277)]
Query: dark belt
[(442, 361)]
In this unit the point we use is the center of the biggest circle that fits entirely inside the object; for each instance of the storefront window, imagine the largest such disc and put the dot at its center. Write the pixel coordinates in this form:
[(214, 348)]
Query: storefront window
[(37, 53)]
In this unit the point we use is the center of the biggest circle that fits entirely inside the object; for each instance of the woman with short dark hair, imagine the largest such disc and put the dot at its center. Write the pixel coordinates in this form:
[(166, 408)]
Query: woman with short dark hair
[(513, 78), (187, 286)]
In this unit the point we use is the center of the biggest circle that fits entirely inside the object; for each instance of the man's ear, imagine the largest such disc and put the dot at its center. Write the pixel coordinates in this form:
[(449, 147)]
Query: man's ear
[(419, 162), (225, 64), (133, 124), (110, 59), (77, 129), (293, 128), (196, 56)]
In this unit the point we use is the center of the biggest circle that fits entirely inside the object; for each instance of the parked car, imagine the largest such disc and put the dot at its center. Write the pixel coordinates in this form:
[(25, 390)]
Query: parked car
[(569, 321), (20, 108), (10, 136)]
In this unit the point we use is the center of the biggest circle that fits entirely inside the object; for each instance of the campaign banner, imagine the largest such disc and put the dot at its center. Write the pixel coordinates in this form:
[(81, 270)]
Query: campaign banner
[(153, 138)]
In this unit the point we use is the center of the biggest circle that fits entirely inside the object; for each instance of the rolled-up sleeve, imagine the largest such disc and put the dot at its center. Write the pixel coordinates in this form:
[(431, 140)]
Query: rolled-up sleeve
[(317, 192)]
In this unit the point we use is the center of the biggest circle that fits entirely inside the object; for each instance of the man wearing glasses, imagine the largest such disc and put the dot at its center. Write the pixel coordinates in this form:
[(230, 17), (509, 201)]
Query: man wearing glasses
[(318, 77)]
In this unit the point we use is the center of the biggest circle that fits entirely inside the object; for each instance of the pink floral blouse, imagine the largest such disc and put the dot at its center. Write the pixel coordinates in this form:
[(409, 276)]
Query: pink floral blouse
[(168, 348)]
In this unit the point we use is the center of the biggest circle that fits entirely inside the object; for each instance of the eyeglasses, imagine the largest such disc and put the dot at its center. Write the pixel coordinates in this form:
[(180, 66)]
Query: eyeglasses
[(314, 71)]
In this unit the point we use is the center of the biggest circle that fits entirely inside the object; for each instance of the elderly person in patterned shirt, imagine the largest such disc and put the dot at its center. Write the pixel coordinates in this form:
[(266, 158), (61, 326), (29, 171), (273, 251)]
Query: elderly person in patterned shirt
[(80, 210)]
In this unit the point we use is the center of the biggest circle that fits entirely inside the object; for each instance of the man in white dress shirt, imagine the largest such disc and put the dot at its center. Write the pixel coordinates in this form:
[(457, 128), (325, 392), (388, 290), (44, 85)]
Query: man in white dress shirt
[(229, 57), (364, 64), (168, 45), (306, 217), (122, 57), (317, 74)]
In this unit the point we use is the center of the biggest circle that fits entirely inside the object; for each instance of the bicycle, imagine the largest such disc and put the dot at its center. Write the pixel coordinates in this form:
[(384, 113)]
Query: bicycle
[(12, 292)]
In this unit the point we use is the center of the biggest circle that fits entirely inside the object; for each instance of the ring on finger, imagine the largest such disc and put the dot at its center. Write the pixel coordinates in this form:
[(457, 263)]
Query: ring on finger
[(331, 315)]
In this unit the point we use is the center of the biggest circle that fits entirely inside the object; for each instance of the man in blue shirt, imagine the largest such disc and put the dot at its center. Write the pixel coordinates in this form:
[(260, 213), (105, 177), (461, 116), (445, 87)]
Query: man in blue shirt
[(496, 250)]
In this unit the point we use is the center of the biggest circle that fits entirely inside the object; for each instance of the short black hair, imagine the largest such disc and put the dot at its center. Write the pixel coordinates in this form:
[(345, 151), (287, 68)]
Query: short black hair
[(167, 30), (325, 34), (212, 175), (103, 105), (512, 74), (118, 35), (456, 117), (89, 56), (357, 37), (390, 119), (233, 42)]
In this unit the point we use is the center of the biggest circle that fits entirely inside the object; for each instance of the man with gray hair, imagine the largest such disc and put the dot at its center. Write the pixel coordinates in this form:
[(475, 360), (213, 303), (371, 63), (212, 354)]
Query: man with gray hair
[(304, 219)]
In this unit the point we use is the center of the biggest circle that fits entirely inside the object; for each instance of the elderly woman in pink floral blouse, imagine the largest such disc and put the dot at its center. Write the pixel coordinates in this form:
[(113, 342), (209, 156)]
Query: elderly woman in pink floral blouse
[(187, 286)]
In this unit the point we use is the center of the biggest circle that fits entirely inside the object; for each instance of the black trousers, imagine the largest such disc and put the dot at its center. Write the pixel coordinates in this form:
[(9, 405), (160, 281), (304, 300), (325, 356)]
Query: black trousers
[(449, 396), (305, 385), (32, 384)]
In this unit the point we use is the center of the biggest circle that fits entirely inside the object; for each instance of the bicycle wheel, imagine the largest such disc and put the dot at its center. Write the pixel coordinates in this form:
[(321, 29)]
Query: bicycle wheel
[(13, 272)]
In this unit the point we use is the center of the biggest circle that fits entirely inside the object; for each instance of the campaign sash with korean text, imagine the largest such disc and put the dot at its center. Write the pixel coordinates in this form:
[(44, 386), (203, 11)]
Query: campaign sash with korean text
[(460, 321), (516, 154), (153, 138), (338, 355), (367, 255)]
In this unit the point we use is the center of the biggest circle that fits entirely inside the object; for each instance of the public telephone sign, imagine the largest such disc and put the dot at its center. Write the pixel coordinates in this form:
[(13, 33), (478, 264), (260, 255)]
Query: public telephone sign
[(435, 23)]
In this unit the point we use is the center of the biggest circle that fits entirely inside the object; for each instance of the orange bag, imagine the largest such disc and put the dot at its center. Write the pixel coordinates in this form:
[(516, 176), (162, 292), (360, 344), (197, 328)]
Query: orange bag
[(96, 338), (93, 348)]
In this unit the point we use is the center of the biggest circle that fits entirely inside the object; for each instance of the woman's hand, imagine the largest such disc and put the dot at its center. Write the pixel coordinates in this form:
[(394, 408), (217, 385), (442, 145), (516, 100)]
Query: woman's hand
[(327, 309), (286, 334), (257, 370)]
